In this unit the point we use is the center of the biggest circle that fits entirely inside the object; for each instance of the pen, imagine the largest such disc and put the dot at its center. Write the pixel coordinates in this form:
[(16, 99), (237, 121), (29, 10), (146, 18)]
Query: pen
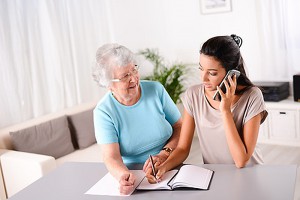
[(153, 168)]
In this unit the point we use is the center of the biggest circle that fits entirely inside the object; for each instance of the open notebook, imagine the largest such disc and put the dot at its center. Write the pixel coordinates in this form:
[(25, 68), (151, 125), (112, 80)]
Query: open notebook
[(188, 176)]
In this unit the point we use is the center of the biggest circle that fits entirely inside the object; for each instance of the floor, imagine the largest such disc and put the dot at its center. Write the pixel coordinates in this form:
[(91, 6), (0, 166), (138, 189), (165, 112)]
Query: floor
[(272, 154)]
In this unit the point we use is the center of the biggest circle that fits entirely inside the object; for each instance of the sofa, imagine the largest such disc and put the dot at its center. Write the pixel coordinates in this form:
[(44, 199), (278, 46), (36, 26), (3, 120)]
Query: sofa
[(31, 149)]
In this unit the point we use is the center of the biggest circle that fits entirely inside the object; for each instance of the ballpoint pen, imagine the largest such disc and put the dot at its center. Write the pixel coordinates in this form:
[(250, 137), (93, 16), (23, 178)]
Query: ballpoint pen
[(153, 168)]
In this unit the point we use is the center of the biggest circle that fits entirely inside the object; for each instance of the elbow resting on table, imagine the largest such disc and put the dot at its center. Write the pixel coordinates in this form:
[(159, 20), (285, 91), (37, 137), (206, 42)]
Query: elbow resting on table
[(241, 163)]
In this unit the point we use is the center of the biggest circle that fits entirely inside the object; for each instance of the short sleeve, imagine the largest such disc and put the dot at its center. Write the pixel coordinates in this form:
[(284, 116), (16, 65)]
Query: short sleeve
[(105, 131), (169, 107), (255, 105), (187, 101)]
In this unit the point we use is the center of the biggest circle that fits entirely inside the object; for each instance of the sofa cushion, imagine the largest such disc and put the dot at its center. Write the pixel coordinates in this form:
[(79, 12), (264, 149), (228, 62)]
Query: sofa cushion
[(89, 154), (82, 126), (51, 138)]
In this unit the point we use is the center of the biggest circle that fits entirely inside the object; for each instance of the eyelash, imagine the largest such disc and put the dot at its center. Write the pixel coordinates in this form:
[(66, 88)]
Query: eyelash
[(212, 74), (125, 76)]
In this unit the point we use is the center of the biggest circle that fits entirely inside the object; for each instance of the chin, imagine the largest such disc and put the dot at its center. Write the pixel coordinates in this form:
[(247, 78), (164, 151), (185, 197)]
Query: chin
[(211, 89), (133, 92)]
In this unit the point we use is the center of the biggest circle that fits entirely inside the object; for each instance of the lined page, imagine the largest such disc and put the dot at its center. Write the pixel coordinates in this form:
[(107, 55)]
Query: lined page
[(145, 185)]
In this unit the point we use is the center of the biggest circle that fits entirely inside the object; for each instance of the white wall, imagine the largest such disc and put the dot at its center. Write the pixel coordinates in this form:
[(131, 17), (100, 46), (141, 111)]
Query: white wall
[(177, 28)]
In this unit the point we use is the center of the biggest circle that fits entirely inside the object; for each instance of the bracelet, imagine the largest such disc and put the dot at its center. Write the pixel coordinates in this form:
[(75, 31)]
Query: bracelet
[(168, 150)]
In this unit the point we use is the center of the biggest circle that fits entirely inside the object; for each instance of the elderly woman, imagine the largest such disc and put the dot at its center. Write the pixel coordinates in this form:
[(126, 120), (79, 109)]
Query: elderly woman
[(134, 119)]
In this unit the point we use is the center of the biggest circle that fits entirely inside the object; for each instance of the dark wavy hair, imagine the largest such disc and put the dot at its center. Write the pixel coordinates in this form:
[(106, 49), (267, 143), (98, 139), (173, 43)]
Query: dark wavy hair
[(226, 49)]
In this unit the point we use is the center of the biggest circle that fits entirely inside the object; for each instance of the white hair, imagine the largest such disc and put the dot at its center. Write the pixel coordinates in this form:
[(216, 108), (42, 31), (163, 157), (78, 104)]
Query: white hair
[(108, 57)]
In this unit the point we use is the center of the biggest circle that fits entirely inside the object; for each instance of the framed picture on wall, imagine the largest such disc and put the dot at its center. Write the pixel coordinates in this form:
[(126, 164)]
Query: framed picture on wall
[(215, 6)]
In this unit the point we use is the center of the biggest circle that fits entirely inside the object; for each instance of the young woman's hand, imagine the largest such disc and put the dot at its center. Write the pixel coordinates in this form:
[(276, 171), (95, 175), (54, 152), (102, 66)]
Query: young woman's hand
[(227, 98)]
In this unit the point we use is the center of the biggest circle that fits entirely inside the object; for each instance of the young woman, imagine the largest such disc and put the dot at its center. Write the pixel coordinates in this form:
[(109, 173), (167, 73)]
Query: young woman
[(227, 129)]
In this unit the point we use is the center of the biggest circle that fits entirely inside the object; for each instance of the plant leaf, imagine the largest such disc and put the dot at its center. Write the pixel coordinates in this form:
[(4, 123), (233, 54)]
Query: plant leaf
[(171, 77)]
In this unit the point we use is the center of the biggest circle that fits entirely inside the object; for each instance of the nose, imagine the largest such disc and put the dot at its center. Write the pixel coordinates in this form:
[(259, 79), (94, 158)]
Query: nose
[(133, 77), (203, 76)]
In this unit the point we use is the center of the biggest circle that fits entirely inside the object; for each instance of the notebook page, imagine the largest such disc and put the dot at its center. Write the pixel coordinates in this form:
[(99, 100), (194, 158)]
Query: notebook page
[(109, 186), (193, 176), (145, 185)]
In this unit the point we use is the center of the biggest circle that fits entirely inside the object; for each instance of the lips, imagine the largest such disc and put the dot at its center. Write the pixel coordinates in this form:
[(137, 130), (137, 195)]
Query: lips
[(207, 85), (133, 86)]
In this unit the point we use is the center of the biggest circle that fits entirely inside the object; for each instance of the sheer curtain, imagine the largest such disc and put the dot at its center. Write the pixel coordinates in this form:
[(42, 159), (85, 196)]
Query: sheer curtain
[(280, 42), (47, 50)]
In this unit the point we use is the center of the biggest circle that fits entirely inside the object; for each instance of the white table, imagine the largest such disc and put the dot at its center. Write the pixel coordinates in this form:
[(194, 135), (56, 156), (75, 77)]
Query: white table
[(261, 182)]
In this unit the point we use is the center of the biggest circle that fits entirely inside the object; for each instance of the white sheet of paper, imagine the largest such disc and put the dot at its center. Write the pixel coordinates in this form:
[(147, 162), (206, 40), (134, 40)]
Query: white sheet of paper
[(109, 186)]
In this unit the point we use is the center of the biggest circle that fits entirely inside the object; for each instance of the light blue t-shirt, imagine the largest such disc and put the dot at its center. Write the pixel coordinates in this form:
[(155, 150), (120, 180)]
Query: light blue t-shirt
[(141, 129)]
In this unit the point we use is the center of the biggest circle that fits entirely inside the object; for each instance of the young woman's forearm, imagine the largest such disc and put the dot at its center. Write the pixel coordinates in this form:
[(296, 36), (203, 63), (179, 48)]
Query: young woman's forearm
[(236, 146), (176, 158), (184, 145)]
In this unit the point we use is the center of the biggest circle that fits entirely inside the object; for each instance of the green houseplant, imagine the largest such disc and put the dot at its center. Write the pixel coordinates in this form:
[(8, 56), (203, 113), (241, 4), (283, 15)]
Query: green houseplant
[(171, 77)]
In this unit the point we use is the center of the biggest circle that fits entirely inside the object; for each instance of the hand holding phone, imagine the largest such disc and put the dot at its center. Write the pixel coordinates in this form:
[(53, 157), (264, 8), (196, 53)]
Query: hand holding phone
[(230, 73)]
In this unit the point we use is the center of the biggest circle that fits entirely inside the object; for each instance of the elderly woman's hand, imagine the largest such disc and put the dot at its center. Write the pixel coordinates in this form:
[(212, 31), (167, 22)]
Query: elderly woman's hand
[(157, 160), (126, 183), (160, 171)]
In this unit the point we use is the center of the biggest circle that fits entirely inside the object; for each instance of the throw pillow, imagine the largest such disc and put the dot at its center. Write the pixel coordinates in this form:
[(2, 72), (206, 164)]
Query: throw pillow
[(51, 138), (82, 126)]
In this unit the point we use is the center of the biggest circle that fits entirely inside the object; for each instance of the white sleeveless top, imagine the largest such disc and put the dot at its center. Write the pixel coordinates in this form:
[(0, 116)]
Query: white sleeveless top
[(209, 124)]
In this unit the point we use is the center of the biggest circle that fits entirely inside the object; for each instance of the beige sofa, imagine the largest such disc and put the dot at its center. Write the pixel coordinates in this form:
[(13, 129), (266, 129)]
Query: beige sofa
[(31, 149)]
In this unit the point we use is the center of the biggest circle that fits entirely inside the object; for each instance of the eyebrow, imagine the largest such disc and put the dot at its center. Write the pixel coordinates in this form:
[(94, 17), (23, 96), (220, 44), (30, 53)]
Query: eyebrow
[(208, 69), (125, 73)]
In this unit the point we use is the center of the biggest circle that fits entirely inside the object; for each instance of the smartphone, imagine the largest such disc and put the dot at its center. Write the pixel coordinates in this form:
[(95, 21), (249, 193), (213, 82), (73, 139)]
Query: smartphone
[(230, 73)]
